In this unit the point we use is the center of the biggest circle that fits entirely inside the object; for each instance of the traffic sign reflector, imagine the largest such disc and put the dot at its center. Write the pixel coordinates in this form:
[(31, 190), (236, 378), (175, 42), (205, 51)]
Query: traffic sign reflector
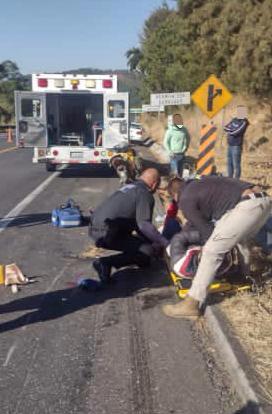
[(205, 163)]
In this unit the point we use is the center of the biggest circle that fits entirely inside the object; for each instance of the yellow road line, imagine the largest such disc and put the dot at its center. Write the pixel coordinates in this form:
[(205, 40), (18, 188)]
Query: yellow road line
[(7, 149)]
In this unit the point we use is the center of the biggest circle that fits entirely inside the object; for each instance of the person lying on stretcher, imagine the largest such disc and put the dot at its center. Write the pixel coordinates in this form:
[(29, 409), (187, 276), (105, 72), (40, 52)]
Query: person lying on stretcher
[(185, 252), (184, 249)]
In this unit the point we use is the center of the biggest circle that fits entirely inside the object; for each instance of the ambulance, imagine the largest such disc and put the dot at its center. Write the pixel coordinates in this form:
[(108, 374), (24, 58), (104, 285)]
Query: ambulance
[(72, 119)]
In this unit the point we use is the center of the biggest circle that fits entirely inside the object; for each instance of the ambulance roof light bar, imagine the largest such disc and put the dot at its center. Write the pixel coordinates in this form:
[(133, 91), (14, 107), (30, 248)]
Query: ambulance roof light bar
[(49, 82)]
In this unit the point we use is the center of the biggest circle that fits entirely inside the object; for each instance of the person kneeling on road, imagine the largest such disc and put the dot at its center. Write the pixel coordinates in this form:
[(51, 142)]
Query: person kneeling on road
[(226, 212), (112, 224)]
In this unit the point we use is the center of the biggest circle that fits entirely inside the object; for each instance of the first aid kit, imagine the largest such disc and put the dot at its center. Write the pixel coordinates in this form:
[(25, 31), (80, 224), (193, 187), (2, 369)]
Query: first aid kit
[(67, 215)]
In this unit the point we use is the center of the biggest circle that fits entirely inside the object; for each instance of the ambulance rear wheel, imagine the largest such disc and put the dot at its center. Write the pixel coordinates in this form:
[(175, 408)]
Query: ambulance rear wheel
[(50, 167)]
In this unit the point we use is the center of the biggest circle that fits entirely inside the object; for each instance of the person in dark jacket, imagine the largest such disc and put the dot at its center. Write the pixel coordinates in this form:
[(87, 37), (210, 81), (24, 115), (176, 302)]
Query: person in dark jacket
[(235, 131), (226, 212), (129, 210)]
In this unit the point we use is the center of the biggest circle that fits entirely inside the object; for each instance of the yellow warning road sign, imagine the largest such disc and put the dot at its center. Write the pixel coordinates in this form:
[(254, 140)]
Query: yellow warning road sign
[(211, 96)]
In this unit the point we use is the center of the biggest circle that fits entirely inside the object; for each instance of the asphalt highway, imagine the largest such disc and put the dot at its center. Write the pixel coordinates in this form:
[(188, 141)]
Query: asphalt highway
[(112, 351)]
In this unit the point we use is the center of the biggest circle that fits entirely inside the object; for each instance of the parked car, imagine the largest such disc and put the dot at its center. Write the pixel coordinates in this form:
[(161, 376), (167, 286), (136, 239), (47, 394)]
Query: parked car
[(135, 131)]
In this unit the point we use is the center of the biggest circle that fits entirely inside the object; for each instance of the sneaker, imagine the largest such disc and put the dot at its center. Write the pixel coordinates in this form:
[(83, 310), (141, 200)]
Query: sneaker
[(103, 270)]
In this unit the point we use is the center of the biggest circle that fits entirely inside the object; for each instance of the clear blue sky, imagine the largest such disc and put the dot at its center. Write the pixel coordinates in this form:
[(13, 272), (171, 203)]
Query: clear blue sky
[(54, 35)]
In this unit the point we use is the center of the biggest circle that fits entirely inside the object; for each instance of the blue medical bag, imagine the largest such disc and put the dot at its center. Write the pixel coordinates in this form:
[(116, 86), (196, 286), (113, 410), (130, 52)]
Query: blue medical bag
[(67, 215)]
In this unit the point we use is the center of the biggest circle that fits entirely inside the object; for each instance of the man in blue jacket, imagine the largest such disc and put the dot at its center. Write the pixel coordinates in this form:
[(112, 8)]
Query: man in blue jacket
[(235, 130)]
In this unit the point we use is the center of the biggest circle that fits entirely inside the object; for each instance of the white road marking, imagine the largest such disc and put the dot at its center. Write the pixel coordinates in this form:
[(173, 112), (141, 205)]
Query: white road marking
[(9, 354), (91, 190), (12, 215), (7, 149), (4, 223)]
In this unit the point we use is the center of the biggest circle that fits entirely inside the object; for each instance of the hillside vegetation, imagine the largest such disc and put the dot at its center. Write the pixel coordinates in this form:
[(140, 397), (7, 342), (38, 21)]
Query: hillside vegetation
[(10, 79), (180, 48)]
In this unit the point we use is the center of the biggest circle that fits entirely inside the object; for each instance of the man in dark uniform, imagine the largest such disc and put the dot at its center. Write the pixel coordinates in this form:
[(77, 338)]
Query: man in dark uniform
[(129, 210), (226, 212)]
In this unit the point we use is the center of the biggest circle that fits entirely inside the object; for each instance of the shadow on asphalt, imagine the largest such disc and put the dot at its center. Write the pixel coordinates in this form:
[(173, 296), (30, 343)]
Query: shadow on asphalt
[(250, 408), (28, 220), (100, 171), (88, 171), (53, 305)]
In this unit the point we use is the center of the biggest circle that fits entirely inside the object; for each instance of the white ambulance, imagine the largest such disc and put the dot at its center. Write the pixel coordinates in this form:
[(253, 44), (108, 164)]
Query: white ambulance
[(72, 119)]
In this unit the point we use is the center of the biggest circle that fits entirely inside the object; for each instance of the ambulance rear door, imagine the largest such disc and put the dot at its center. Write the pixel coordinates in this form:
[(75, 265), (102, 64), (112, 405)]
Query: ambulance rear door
[(116, 120), (31, 125)]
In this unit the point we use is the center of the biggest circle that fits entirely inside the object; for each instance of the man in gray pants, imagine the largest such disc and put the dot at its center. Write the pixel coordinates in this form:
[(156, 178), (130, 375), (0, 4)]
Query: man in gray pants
[(227, 212)]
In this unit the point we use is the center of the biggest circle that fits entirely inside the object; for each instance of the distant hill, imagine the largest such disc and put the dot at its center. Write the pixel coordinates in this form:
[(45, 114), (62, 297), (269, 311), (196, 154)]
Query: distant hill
[(127, 81)]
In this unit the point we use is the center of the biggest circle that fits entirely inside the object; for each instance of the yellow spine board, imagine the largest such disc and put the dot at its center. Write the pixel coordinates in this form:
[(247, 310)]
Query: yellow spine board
[(215, 287)]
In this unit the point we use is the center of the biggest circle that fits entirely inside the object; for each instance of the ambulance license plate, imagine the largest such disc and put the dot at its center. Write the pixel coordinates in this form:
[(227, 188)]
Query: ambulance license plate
[(76, 155)]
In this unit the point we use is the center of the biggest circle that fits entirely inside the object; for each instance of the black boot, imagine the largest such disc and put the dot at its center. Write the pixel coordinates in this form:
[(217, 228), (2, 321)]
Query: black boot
[(128, 259), (103, 269)]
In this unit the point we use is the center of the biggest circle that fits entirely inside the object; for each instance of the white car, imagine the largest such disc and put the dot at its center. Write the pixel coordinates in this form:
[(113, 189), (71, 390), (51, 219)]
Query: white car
[(135, 131)]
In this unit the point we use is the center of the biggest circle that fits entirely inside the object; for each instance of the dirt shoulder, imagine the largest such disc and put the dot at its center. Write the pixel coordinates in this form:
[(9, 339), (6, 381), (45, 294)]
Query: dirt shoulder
[(250, 314)]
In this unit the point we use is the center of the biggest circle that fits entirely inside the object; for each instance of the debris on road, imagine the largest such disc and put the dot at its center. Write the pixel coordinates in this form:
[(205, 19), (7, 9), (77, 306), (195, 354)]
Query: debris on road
[(14, 275), (93, 252), (11, 275)]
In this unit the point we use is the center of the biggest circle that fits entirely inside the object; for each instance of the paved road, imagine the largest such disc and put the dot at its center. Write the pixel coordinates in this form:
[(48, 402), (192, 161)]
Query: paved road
[(112, 351), (18, 177), (4, 144)]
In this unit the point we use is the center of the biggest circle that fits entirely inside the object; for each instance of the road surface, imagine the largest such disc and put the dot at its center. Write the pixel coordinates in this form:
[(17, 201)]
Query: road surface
[(112, 351)]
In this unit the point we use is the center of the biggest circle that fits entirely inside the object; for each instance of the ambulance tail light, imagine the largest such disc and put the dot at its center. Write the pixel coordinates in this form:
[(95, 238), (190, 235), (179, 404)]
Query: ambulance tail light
[(96, 153), (55, 153), (74, 83), (42, 83), (107, 83)]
